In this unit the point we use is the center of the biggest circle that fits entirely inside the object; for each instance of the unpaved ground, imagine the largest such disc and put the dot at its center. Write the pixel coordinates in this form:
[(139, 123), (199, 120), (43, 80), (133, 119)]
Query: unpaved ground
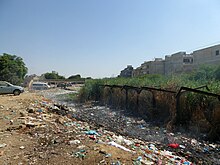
[(47, 142), (32, 131)]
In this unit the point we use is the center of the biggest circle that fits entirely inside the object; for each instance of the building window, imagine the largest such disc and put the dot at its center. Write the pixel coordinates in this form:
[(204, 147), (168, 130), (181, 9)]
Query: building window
[(147, 66), (186, 60), (217, 52)]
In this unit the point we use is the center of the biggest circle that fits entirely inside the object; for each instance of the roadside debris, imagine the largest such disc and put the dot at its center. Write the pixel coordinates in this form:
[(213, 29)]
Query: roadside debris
[(3, 145), (119, 146)]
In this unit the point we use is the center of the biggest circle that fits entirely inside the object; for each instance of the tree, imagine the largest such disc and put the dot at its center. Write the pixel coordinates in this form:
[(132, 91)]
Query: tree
[(217, 73), (12, 68), (204, 73), (53, 75), (75, 77)]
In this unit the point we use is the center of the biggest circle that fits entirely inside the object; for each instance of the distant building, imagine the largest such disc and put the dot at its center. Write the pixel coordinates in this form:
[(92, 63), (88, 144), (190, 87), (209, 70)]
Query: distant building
[(180, 62), (154, 67), (127, 72), (210, 55), (136, 72), (150, 67)]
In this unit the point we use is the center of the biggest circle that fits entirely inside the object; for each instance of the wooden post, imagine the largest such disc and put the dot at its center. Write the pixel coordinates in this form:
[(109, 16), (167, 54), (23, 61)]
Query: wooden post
[(137, 101), (126, 99)]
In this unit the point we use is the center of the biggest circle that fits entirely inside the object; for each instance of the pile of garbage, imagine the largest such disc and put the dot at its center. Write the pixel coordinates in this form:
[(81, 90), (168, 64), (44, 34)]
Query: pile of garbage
[(100, 135), (128, 124), (147, 152), (150, 144)]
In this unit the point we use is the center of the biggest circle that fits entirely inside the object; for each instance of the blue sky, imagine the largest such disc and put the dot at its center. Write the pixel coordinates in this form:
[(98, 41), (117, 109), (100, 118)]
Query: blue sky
[(99, 38)]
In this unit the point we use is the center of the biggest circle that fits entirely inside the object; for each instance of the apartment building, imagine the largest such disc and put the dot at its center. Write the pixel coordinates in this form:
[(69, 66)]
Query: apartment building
[(180, 62), (210, 55), (127, 72), (177, 63)]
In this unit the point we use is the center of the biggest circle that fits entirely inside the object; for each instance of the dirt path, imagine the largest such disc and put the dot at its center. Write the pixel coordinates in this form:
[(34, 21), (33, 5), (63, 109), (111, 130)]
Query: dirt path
[(33, 131)]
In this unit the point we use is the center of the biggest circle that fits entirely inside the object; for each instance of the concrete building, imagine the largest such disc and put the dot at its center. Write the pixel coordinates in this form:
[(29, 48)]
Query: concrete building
[(150, 67), (180, 62), (156, 66), (137, 72), (127, 72), (210, 55)]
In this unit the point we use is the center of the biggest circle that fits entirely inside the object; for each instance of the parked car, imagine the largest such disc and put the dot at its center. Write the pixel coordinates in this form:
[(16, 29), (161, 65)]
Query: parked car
[(39, 86), (62, 85), (7, 88)]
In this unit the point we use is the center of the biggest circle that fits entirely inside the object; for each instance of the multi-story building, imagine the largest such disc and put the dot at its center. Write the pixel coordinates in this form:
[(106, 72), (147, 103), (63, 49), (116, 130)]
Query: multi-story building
[(136, 72), (127, 72), (177, 63), (180, 62), (150, 67), (210, 55)]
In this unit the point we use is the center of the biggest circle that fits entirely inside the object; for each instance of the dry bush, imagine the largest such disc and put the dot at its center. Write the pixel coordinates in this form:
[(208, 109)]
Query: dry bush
[(146, 104), (117, 98)]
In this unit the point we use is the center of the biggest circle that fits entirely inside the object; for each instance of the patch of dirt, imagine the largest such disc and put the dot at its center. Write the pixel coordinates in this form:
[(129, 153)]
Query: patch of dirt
[(48, 142)]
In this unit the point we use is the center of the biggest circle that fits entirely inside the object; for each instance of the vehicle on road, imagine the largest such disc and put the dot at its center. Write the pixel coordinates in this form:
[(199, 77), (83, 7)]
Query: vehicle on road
[(7, 88), (39, 86)]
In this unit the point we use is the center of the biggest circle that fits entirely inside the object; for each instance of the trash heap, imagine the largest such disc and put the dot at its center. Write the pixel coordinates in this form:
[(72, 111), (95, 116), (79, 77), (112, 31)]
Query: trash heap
[(145, 152), (60, 133)]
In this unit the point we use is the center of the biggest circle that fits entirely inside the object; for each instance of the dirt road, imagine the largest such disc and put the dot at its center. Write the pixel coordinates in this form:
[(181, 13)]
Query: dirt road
[(34, 130)]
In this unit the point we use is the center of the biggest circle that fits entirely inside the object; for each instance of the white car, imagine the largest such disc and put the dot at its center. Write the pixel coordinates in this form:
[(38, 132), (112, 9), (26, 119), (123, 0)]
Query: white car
[(7, 88), (39, 86)]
